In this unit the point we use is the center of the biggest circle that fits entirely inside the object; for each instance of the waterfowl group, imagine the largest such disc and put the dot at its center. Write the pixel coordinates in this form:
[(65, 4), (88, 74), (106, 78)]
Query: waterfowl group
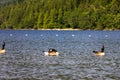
[(2, 50), (99, 53), (54, 52), (51, 52)]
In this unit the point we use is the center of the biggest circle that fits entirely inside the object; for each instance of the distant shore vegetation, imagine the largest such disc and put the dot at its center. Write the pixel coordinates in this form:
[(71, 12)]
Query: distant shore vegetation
[(60, 14)]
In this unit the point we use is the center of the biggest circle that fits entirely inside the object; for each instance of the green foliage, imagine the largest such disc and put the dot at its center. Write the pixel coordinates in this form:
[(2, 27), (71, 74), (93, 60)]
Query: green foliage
[(54, 14)]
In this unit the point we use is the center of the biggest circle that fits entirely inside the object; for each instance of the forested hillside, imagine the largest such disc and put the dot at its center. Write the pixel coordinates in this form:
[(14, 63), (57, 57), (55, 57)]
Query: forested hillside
[(54, 14)]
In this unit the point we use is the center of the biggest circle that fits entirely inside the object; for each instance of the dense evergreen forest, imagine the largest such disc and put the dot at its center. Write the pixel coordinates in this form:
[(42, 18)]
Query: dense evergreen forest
[(60, 14)]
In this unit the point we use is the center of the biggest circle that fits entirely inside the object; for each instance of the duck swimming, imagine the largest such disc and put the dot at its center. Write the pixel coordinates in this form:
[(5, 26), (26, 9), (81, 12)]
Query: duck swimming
[(99, 53), (51, 52), (2, 50)]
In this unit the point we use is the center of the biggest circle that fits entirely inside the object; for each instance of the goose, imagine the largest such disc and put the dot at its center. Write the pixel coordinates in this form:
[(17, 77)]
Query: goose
[(99, 53), (51, 52), (2, 50)]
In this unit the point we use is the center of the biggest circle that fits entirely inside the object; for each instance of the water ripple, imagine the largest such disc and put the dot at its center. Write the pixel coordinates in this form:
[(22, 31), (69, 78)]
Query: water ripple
[(25, 59)]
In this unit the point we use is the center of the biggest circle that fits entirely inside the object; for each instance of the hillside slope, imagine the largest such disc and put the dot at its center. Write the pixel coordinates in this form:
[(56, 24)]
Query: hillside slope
[(52, 14)]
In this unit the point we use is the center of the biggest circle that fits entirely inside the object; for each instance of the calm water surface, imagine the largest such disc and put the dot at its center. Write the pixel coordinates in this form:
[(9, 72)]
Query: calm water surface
[(25, 60)]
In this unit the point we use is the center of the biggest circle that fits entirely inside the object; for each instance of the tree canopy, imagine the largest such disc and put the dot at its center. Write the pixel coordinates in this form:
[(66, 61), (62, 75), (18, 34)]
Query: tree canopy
[(60, 14)]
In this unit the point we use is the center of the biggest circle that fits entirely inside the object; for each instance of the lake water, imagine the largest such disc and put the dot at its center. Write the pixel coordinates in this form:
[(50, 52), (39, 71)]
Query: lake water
[(25, 60)]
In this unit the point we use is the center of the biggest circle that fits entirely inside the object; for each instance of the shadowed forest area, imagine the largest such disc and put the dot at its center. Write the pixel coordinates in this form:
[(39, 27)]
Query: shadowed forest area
[(60, 14)]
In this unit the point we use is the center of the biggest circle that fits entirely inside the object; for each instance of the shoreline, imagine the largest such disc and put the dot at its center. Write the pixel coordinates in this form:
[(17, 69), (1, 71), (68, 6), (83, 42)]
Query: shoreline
[(43, 29), (66, 29)]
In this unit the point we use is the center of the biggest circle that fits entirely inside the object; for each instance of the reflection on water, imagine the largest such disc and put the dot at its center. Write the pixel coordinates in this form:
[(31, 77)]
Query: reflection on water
[(25, 60)]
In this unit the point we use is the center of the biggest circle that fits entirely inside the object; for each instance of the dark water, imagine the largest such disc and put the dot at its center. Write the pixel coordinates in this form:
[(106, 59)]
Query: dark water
[(25, 60)]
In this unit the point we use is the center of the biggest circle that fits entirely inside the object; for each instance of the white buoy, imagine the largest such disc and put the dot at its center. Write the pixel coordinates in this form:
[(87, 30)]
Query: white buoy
[(73, 35), (89, 35), (26, 34), (11, 34), (106, 35), (56, 34)]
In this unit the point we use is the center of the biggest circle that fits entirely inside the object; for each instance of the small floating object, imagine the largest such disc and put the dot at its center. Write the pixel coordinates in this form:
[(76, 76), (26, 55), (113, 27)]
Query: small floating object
[(11, 34), (73, 35), (51, 52), (57, 35), (99, 53), (89, 35), (26, 34), (41, 35), (106, 35)]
